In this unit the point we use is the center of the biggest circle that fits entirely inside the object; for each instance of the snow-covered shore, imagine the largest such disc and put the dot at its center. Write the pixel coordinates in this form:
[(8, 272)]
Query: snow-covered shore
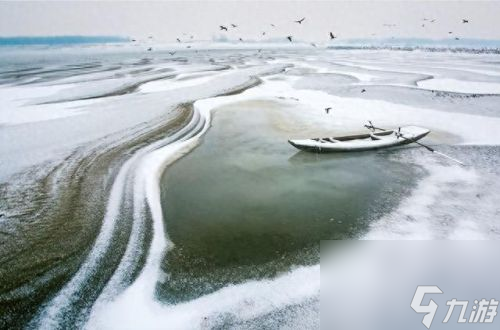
[(102, 111)]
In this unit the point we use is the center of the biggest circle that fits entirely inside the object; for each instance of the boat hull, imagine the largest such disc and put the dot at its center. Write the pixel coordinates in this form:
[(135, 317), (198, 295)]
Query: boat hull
[(411, 134)]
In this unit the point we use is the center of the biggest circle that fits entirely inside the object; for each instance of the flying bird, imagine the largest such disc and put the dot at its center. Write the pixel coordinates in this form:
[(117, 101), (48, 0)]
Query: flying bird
[(188, 46), (327, 110), (273, 25), (450, 32), (191, 37), (300, 20), (171, 53), (363, 90), (150, 49), (313, 44), (332, 36), (234, 25), (456, 38), (241, 39), (178, 40), (465, 20), (133, 40), (222, 27), (263, 33), (289, 38)]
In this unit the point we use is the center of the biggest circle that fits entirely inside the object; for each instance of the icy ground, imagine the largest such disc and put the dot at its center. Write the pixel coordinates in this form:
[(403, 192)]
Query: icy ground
[(86, 134)]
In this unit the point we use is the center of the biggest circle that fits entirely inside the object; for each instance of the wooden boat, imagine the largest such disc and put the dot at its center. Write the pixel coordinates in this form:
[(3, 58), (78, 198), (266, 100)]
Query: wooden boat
[(361, 142)]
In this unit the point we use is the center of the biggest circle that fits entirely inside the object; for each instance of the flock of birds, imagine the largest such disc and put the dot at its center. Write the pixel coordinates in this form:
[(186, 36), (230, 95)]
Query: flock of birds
[(234, 26), (331, 35), (290, 39), (464, 21)]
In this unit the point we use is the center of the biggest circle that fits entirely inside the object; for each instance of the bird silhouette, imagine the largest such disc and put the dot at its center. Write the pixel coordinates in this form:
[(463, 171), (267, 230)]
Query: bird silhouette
[(328, 110), (241, 39), (450, 32), (133, 40), (191, 37), (263, 33), (363, 90), (150, 49), (178, 40), (465, 20), (188, 46), (313, 44), (456, 38), (222, 27), (289, 38), (171, 53), (300, 20), (332, 36), (234, 25), (273, 25)]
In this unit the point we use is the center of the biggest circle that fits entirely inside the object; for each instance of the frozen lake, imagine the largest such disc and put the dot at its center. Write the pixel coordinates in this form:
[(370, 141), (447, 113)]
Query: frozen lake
[(143, 189)]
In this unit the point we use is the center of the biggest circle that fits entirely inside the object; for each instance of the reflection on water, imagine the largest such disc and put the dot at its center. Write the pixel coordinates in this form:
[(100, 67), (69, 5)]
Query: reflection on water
[(245, 204)]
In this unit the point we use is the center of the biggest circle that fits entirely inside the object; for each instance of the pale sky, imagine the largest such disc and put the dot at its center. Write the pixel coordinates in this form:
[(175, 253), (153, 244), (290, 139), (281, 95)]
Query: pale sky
[(166, 20)]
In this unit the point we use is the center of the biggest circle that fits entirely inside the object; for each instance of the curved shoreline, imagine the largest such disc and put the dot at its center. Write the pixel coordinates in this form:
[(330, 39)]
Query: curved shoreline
[(142, 291), (136, 173)]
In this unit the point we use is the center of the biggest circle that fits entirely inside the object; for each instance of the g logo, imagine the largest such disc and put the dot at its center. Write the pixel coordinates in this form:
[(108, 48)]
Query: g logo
[(430, 309)]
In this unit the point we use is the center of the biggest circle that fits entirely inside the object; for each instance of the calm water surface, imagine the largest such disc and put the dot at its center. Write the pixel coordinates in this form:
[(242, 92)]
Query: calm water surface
[(246, 204)]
